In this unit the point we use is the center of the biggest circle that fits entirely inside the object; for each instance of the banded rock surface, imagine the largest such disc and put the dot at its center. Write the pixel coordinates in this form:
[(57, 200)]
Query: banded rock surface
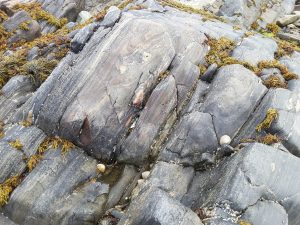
[(131, 96)]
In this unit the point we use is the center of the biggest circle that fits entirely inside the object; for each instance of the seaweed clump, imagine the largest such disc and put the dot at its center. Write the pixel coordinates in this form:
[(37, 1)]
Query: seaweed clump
[(39, 69), (269, 139), (275, 82), (272, 115), (16, 144), (283, 69), (1, 129), (10, 66), (48, 143), (243, 222), (220, 50), (38, 13), (7, 187)]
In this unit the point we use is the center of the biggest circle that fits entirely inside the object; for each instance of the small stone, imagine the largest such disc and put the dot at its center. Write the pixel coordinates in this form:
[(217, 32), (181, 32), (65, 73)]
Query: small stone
[(112, 16), (140, 181), (145, 175), (225, 139), (101, 168), (83, 16), (287, 19)]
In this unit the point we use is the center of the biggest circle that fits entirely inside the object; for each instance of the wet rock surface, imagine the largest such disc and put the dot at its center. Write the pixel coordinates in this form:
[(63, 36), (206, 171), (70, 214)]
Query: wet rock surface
[(129, 113)]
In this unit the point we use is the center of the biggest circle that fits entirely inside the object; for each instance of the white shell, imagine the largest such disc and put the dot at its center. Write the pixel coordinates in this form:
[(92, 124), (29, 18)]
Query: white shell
[(145, 174), (140, 181), (101, 168), (225, 139)]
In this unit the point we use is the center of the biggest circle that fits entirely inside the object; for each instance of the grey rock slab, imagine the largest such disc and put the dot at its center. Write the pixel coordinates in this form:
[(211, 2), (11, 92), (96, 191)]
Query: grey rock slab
[(172, 178), (112, 16), (292, 62), (83, 16), (102, 98), (267, 213), (14, 94), (34, 31), (155, 206), (287, 126), (216, 30), (13, 22), (280, 99), (255, 172), (235, 93), (153, 6), (5, 221), (287, 19), (13, 161), (63, 9), (33, 53), (82, 37), (136, 148), (53, 183), (193, 136), (254, 49), (118, 189)]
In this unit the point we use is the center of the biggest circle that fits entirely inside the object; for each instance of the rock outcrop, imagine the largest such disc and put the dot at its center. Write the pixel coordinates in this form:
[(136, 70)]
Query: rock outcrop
[(149, 112)]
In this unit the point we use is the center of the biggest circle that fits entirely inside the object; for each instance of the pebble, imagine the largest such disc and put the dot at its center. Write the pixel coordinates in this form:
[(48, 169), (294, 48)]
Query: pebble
[(145, 175), (101, 168), (225, 139)]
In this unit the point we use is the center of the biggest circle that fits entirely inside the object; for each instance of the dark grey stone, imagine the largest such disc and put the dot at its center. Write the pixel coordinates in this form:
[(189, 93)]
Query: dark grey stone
[(82, 37), (235, 93), (112, 16), (156, 207), (193, 136)]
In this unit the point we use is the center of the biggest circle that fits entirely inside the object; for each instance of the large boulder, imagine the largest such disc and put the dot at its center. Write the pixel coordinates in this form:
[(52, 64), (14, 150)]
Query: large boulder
[(105, 98), (255, 172)]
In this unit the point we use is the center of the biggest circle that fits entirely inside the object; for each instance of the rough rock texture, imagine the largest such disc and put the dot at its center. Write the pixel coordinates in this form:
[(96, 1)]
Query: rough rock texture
[(122, 87), (255, 172), (155, 202), (147, 113), (57, 177)]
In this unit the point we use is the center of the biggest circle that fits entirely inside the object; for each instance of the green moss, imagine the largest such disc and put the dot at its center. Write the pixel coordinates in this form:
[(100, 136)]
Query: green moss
[(272, 115), (7, 187)]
